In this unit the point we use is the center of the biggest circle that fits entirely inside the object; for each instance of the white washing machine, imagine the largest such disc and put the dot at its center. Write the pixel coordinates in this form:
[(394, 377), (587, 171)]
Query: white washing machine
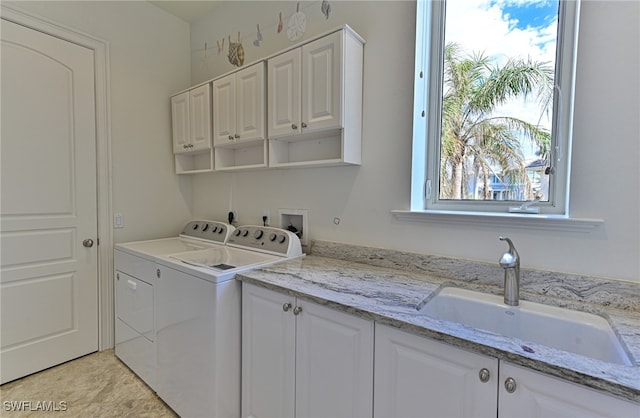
[(197, 318)]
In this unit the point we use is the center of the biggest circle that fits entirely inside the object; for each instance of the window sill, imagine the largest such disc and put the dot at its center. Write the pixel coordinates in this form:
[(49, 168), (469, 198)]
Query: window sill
[(523, 221)]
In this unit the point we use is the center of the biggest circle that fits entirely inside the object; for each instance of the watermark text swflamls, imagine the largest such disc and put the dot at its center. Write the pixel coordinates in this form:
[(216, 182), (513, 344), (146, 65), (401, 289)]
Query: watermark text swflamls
[(45, 406)]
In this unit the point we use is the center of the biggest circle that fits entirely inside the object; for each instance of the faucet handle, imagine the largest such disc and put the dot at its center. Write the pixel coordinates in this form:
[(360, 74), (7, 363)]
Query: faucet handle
[(511, 258)]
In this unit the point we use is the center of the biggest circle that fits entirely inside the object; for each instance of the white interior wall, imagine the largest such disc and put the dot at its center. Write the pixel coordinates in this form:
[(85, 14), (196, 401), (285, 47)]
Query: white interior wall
[(149, 60), (605, 174)]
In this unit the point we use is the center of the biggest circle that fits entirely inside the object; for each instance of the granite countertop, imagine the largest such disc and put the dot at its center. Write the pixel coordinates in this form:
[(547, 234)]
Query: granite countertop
[(389, 286)]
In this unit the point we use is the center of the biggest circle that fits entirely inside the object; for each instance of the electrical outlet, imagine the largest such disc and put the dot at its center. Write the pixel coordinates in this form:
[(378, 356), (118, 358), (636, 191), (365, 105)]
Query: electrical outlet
[(232, 217)]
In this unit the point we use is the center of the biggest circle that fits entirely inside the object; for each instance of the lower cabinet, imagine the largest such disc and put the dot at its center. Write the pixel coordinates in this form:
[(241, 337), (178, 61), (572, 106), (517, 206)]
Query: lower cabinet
[(533, 394), (420, 377), (302, 359)]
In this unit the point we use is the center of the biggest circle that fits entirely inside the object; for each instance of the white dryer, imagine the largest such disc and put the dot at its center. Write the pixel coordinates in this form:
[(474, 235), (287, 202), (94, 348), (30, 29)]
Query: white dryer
[(136, 274)]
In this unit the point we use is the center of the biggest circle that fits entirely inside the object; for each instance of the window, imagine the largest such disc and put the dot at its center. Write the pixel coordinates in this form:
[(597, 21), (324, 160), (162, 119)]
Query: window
[(494, 105)]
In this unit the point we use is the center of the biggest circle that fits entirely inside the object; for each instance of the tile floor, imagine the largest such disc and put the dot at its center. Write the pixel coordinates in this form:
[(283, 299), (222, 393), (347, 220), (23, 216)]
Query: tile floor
[(97, 385)]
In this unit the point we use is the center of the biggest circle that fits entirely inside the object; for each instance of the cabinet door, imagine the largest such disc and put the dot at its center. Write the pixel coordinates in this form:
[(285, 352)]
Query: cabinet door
[(322, 83), (334, 363), (180, 122), (268, 353), (419, 377), (540, 395), (200, 117), (250, 103), (224, 110), (284, 94)]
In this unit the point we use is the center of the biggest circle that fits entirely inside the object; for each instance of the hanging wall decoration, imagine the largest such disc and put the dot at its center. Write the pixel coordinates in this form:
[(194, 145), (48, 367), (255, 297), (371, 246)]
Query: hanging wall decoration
[(205, 64), (325, 8), (220, 46), (236, 52), (258, 37), (297, 25), (280, 23)]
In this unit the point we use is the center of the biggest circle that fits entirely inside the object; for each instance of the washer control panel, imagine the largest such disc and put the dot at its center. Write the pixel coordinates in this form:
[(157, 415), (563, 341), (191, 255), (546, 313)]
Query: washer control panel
[(208, 230), (266, 239)]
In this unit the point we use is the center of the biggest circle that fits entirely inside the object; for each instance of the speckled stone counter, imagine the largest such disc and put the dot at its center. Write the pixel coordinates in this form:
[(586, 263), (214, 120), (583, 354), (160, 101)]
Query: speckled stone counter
[(389, 286)]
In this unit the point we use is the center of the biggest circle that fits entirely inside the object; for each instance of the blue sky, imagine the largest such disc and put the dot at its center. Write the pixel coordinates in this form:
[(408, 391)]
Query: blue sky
[(531, 15)]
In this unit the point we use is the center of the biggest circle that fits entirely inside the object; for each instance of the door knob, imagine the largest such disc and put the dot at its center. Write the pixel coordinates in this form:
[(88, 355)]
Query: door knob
[(510, 385), (88, 243)]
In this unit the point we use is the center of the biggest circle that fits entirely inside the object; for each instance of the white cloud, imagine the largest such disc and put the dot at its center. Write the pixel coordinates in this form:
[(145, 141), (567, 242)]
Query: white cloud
[(481, 26)]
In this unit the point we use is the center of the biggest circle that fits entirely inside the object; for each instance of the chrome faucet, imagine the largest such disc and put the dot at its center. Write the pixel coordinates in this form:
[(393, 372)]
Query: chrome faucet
[(510, 262)]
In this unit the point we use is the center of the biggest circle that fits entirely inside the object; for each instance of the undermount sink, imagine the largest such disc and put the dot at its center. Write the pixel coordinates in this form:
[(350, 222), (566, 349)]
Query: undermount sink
[(576, 332)]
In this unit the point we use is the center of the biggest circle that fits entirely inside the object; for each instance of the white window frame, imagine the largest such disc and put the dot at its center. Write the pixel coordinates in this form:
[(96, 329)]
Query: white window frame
[(427, 120)]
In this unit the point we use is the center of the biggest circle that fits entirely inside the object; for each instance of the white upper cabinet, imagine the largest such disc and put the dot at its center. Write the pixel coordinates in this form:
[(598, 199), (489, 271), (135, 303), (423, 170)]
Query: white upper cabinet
[(191, 120), (238, 107), (191, 128), (308, 114), (314, 112)]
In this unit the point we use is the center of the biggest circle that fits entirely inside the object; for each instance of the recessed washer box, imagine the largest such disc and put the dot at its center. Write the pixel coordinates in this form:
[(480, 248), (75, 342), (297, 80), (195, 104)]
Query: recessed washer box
[(296, 221)]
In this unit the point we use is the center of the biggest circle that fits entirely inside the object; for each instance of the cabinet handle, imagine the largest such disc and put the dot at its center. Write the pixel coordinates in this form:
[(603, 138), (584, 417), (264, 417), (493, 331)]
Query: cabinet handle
[(184, 146), (286, 307), (158, 273), (297, 310), (484, 375), (510, 385), (304, 125), (230, 137), (294, 126), (237, 136), (118, 276)]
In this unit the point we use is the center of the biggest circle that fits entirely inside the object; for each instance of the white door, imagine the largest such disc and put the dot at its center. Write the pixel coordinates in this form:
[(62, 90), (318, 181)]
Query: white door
[(419, 377), (224, 110), (283, 92), (322, 83), (334, 363), (48, 281), (180, 123), (250, 103), (268, 353), (200, 117), (533, 394)]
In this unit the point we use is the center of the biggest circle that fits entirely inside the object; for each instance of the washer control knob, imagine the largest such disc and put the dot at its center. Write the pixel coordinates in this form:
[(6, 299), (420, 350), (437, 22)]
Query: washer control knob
[(221, 230), (195, 226), (214, 229), (245, 232), (258, 234), (205, 227), (237, 233), (272, 236), (282, 239)]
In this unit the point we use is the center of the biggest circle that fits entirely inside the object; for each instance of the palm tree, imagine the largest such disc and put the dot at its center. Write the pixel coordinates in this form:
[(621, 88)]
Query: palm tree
[(474, 139)]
